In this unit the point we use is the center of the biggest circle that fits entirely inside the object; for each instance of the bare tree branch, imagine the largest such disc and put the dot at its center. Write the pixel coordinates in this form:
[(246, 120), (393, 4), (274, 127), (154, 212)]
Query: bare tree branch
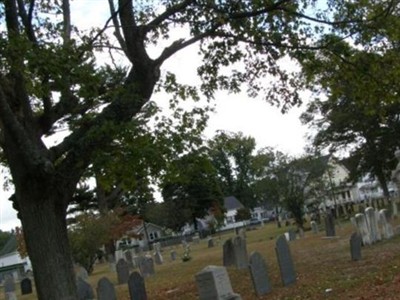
[(168, 13), (27, 19), (117, 26)]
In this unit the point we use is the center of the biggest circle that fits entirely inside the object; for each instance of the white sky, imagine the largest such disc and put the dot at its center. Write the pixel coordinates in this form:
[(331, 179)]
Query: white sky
[(234, 113)]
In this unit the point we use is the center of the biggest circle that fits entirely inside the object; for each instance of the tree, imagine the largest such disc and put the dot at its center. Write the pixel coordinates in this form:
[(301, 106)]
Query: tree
[(242, 214), (50, 80), (362, 84), (190, 189)]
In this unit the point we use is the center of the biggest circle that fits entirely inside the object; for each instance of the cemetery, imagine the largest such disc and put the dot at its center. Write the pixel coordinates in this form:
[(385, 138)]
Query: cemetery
[(361, 260)]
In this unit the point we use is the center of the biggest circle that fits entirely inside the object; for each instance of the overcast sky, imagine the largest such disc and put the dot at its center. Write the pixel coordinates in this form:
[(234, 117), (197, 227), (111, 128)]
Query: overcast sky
[(234, 113)]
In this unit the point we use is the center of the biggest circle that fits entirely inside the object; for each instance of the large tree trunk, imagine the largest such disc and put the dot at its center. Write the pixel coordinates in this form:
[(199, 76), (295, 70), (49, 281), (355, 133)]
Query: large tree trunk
[(45, 232)]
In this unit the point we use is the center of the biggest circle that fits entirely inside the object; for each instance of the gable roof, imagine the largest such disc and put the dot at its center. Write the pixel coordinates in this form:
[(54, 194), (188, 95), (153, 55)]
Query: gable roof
[(231, 203), (10, 246)]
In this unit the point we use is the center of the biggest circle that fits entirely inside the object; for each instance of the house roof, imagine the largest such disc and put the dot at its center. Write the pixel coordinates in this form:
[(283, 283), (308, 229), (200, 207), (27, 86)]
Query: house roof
[(231, 203), (140, 229), (10, 246)]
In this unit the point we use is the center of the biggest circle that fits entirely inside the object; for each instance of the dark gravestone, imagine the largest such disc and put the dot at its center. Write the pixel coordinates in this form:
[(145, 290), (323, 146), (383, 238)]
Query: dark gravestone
[(210, 243), (26, 286), (228, 254), (292, 235), (128, 257), (85, 291), (355, 246), (259, 274), (122, 271), (146, 266), (158, 258), (285, 261), (240, 251), (9, 288), (137, 289), (330, 225), (105, 290)]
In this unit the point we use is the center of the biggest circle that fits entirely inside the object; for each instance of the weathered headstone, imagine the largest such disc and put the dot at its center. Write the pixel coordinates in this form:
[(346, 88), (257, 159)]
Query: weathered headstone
[(285, 261), (292, 235), (9, 288), (355, 246), (146, 266), (387, 228), (173, 255), (196, 239), (128, 258), (330, 225), (314, 227), (301, 232), (81, 272), (122, 271), (85, 291), (105, 290), (240, 252), (228, 253), (372, 224), (210, 243), (213, 283), (137, 289), (158, 259), (111, 262), (362, 229), (26, 286), (259, 274)]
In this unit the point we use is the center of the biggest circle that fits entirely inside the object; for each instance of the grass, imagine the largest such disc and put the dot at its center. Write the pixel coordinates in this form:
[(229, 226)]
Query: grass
[(323, 266)]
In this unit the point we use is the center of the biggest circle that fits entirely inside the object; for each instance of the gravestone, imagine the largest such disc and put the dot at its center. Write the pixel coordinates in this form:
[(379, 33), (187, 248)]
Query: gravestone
[(330, 225), (314, 227), (259, 274), (173, 255), (85, 291), (210, 243), (353, 222), (158, 259), (26, 286), (372, 224), (355, 246), (146, 266), (136, 286), (301, 232), (9, 288), (128, 258), (242, 233), (387, 228), (285, 261), (213, 283), (105, 290), (111, 262), (196, 239), (122, 271), (292, 235), (81, 272), (362, 228), (240, 252), (228, 253)]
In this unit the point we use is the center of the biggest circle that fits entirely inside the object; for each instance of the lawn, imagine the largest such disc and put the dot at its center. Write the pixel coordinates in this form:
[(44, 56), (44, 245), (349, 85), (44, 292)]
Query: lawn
[(323, 266)]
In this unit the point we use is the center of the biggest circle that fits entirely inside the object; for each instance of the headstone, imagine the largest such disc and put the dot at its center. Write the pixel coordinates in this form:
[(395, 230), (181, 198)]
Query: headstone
[(330, 225), (105, 290), (210, 243), (259, 274), (111, 262), (9, 288), (314, 227), (85, 291), (395, 210), (173, 255), (372, 223), (122, 271), (128, 258), (228, 253), (146, 266), (136, 286), (285, 261), (26, 286), (81, 272), (362, 229), (242, 233), (355, 246), (387, 228), (301, 232), (196, 239), (353, 222), (240, 252), (292, 235), (158, 259), (157, 247), (213, 283)]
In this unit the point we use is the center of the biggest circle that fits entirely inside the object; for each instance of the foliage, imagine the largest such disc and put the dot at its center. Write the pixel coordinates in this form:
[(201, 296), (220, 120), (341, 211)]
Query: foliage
[(186, 254), (4, 237), (91, 232), (190, 189), (242, 214)]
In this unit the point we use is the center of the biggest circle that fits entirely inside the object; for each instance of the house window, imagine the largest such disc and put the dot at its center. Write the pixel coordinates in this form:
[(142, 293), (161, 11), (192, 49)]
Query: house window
[(153, 235), (230, 220)]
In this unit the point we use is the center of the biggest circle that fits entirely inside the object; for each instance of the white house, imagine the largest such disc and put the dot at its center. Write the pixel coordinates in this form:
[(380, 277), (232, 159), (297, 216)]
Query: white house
[(231, 205), (11, 263), (146, 233)]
